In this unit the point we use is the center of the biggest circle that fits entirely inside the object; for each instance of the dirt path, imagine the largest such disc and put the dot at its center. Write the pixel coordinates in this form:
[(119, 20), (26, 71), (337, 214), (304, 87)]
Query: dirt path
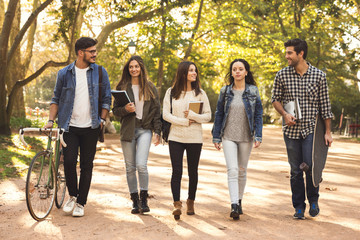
[(266, 204)]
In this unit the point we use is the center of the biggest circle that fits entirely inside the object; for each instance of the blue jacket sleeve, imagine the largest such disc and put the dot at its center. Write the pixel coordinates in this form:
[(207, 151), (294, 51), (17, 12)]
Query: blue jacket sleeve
[(106, 90), (219, 117), (258, 118)]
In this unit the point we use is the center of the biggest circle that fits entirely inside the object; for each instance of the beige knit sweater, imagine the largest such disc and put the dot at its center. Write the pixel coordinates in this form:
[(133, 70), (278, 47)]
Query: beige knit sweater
[(180, 130)]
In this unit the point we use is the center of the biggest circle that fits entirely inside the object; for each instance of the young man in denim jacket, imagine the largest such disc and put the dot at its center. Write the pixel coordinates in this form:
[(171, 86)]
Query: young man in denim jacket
[(75, 102)]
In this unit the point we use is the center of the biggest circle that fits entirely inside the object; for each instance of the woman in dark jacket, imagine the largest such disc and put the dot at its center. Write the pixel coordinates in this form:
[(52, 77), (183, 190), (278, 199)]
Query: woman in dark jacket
[(139, 119)]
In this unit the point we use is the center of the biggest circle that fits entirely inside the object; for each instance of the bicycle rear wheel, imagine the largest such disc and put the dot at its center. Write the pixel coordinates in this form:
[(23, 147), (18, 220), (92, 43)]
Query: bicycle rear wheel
[(40, 186), (61, 182)]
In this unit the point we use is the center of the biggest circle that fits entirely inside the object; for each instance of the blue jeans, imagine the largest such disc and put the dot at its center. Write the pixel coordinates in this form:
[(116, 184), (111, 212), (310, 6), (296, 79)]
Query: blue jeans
[(136, 155), (300, 150)]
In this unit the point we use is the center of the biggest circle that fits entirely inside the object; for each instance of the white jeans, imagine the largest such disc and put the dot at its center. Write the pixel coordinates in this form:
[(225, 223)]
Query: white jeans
[(237, 156)]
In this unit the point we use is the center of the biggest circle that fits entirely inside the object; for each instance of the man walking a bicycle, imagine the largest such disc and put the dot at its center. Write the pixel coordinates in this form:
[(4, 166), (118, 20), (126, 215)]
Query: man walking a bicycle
[(76, 103)]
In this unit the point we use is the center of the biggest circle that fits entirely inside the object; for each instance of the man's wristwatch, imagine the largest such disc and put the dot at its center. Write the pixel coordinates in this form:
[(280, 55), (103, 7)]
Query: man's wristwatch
[(51, 121), (103, 121)]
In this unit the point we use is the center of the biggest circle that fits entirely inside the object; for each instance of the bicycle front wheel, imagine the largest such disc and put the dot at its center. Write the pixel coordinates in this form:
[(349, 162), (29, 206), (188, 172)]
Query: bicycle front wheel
[(40, 186), (61, 182)]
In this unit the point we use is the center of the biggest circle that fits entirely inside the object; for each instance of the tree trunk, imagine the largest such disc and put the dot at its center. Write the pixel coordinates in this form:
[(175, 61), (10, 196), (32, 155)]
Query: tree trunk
[(16, 70), (4, 43), (192, 39), (2, 13), (162, 52)]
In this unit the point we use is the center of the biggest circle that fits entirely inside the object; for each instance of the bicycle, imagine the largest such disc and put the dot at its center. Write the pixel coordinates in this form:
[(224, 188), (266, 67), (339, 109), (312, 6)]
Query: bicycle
[(45, 181)]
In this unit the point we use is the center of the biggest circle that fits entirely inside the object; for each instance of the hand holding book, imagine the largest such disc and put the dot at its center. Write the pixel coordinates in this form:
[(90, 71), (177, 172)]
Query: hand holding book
[(196, 106), (292, 108), (121, 97)]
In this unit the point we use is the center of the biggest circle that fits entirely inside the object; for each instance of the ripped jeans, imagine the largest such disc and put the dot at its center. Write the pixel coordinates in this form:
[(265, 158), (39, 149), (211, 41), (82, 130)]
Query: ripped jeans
[(300, 150)]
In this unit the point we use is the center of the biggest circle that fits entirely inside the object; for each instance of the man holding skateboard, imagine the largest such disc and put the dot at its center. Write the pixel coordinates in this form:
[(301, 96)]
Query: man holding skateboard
[(307, 85)]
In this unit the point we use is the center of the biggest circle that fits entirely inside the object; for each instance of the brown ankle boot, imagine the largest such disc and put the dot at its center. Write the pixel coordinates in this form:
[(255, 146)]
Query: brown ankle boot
[(177, 209), (190, 207)]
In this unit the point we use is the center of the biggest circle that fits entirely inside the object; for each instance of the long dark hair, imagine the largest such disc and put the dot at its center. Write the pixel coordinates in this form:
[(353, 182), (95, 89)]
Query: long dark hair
[(249, 79), (181, 80), (145, 90)]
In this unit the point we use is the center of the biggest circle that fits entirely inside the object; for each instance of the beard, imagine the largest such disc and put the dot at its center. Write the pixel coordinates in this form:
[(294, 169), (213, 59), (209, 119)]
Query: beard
[(89, 60), (293, 62)]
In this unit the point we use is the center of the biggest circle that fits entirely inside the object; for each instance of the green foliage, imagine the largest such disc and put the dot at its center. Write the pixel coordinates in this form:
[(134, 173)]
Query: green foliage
[(17, 123), (253, 30), (39, 93), (14, 160), (38, 123), (117, 125)]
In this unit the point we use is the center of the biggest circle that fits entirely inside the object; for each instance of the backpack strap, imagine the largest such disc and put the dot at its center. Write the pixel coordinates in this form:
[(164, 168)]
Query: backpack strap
[(170, 102), (100, 85)]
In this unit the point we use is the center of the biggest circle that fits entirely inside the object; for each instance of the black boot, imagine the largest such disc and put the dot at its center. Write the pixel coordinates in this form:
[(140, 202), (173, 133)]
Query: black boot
[(240, 208), (143, 200), (135, 199), (234, 211)]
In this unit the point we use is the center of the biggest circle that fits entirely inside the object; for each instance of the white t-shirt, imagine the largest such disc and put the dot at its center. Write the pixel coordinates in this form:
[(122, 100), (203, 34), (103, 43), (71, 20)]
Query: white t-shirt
[(139, 105), (81, 114)]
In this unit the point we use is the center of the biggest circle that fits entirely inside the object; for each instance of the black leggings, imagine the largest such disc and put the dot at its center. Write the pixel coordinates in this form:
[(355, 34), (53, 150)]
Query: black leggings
[(193, 151), (85, 139)]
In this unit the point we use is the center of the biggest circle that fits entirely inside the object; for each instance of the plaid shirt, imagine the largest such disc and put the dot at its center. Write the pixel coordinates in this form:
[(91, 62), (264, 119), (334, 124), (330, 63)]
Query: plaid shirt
[(312, 91)]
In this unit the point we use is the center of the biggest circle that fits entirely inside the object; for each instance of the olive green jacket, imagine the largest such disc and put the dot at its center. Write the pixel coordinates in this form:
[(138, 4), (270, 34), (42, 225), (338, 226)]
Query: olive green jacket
[(151, 115)]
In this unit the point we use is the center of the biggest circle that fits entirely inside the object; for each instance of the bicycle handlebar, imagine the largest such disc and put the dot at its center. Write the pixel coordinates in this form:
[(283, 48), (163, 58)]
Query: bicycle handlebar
[(59, 135)]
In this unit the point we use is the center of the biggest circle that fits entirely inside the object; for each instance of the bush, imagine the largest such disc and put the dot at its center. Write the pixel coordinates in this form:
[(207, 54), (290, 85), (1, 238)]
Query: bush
[(117, 126), (16, 123), (39, 122)]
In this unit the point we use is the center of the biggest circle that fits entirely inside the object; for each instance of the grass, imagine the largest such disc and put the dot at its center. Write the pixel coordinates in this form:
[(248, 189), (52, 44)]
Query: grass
[(14, 158)]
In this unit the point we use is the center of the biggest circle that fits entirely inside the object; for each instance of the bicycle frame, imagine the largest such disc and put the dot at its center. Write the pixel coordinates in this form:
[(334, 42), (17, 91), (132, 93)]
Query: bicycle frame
[(46, 194), (49, 149)]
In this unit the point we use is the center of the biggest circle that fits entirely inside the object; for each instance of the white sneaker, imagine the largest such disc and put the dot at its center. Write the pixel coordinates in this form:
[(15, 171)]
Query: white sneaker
[(78, 210), (69, 205)]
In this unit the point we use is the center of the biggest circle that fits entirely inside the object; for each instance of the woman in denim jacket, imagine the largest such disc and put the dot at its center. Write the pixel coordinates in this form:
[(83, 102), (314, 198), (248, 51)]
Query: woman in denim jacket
[(238, 123)]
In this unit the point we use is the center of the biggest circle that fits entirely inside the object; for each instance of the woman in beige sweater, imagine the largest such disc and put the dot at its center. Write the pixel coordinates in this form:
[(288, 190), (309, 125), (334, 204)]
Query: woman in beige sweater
[(186, 131)]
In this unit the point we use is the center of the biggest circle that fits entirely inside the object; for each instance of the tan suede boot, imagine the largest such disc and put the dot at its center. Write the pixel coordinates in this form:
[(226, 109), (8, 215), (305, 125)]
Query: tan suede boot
[(177, 209), (190, 207)]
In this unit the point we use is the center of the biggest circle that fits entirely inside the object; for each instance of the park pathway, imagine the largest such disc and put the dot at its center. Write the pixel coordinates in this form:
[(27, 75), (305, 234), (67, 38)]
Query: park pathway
[(266, 204)]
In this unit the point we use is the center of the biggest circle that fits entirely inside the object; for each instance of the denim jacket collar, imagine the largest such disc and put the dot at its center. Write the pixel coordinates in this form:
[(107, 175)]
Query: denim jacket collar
[(247, 89), (72, 67)]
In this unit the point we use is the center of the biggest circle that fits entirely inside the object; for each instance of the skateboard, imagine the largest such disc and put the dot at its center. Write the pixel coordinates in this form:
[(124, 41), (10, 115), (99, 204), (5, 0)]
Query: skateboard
[(319, 151)]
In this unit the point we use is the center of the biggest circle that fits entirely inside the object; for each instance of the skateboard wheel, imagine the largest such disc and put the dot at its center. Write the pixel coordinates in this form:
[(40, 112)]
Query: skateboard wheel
[(177, 217)]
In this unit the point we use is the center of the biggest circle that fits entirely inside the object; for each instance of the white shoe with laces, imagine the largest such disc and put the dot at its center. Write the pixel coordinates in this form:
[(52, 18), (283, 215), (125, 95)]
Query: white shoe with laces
[(78, 210), (69, 205)]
